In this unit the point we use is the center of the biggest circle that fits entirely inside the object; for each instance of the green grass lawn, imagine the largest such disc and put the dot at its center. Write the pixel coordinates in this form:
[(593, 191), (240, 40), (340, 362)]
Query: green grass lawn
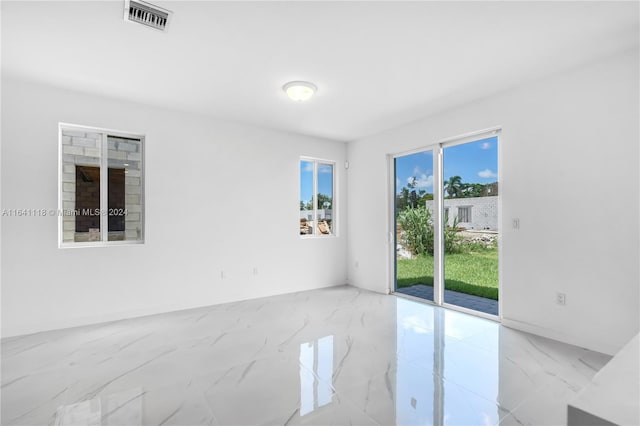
[(472, 273)]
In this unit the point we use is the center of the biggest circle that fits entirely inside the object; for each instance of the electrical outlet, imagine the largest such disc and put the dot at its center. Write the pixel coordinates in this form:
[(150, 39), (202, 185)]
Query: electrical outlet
[(222, 275), (255, 270), (561, 299), (516, 223)]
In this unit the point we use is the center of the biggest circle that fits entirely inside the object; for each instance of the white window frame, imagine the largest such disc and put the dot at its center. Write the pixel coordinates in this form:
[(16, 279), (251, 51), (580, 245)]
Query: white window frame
[(104, 188), (314, 215)]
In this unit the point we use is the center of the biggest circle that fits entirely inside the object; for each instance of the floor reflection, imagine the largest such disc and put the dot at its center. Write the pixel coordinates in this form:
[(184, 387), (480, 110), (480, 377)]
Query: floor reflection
[(318, 357), (121, 408), (434, 388)]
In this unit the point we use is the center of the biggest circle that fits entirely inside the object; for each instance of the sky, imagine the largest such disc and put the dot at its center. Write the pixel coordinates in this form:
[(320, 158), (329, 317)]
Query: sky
[(474, 162), (325, 179)]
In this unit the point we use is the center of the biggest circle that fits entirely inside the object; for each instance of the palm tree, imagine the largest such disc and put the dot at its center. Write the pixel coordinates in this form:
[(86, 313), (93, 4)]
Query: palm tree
[(453, 186)]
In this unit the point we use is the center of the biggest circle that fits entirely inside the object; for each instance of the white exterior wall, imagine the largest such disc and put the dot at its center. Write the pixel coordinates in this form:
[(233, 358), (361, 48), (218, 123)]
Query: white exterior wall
[(484, 211)]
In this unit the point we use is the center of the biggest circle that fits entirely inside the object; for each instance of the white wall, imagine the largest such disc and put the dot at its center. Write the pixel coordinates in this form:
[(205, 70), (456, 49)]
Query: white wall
[(569, 160), (210, 187)]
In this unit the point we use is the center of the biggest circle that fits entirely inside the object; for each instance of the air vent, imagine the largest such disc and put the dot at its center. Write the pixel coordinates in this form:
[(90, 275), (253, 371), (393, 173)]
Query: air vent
[(146, 14)]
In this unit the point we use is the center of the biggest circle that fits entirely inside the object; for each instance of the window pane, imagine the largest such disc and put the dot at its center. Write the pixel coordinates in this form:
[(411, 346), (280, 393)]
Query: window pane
[(470, 172), (116, 202), (306, 197), (325, 198), (87, 203), (81, 186), (125, 189), (414, 224)]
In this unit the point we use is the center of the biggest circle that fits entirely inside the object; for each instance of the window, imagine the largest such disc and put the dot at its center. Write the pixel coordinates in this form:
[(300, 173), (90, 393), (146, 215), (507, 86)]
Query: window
[(317, 206), (101, 187), (464, 214)]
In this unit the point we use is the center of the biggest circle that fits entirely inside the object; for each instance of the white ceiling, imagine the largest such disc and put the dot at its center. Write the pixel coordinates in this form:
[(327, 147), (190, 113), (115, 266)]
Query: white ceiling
[(377, 65)]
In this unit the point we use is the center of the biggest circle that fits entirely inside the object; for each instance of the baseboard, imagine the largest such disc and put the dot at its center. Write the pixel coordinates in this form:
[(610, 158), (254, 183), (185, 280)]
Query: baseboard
[(33, 328), (561, 337)]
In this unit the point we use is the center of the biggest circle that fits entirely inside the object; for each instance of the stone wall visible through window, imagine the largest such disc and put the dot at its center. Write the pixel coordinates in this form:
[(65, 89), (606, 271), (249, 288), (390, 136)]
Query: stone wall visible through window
[(101, 187)]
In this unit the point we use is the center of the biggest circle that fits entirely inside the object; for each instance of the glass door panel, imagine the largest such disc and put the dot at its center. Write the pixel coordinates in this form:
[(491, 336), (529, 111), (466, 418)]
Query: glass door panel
[(414, 230), (471, 227)]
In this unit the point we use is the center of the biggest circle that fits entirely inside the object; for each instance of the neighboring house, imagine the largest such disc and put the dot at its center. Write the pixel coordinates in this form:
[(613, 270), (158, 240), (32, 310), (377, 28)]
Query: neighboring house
[(322, 214), (472, 213)]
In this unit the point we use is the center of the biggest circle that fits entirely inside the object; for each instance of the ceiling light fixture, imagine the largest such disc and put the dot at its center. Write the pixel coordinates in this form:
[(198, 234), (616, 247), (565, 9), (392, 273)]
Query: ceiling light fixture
[(299, 91)]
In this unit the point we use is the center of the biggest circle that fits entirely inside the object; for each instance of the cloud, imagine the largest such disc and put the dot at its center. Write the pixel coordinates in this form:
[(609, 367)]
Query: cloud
[(416, 324), (422, 181), (322, 168), (485, 145), (325, 168), (487, 174)]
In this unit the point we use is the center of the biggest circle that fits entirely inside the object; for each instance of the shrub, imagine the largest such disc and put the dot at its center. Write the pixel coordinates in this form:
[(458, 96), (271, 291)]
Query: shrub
[(418, 234), (417, 229), (453, 240)]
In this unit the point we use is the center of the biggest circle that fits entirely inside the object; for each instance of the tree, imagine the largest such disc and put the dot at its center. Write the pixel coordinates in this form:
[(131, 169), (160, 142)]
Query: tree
[(413, 199), (472, 190), (324, 201), (453, 186), (409, 197), (402, 199)]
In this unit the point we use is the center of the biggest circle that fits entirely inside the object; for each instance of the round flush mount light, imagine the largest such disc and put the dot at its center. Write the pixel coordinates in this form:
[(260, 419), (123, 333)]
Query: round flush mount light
[(299, 91)]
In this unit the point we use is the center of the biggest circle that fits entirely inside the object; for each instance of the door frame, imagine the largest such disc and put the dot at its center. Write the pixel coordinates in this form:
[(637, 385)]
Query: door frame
[(438, 178)]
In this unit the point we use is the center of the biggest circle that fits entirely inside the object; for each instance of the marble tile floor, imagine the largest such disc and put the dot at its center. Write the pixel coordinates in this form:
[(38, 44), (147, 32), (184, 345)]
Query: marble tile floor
[(334, 356)]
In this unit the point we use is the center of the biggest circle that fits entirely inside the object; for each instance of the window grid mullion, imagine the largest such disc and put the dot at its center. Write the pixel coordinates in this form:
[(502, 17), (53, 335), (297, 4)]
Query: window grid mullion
[(104, 188), (315, 197)]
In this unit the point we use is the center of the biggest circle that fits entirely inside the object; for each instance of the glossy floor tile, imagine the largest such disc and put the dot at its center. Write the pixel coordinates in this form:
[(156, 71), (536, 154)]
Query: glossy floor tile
[(334, 356)]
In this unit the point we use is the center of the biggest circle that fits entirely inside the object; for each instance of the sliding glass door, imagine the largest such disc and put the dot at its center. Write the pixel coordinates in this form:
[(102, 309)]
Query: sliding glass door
[(446, 224)]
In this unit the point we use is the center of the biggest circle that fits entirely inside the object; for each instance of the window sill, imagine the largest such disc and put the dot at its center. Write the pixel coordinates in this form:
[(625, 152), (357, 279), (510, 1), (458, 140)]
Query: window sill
[(99, 244), (317, 237)]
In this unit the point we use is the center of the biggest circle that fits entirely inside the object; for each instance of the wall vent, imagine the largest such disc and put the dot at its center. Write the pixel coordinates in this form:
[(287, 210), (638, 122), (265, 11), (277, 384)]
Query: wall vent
[(146, 14)]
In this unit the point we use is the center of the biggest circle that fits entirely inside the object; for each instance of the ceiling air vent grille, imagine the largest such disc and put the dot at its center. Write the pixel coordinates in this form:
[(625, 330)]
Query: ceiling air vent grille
[(146, 14)]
